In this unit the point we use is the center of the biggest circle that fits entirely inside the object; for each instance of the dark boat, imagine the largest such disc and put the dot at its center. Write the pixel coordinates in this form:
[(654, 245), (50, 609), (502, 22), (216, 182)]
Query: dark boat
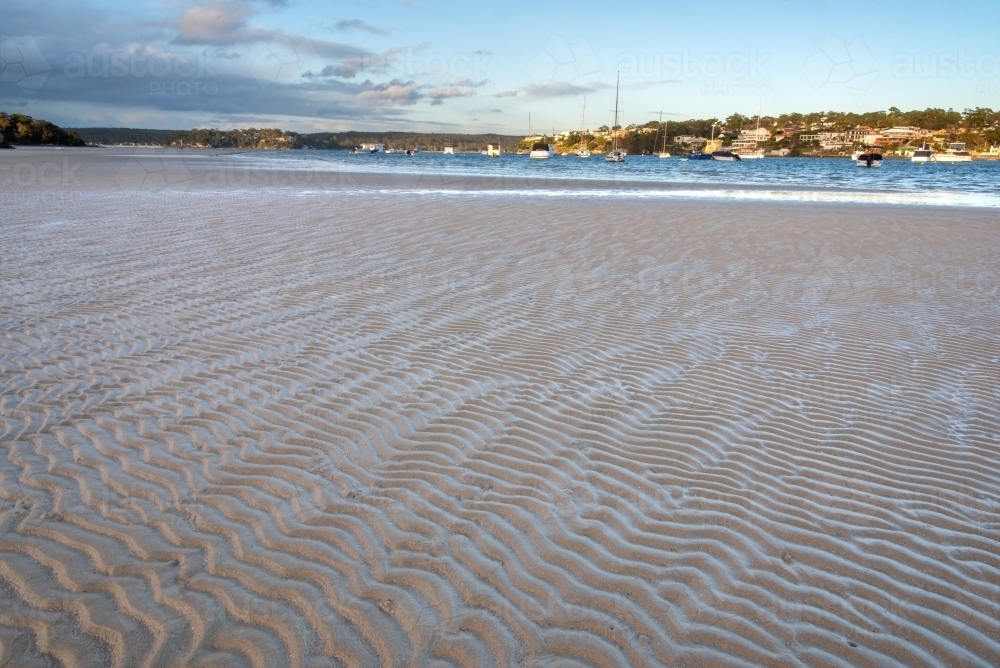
[(725, 156), (698, 156), (870, 160)]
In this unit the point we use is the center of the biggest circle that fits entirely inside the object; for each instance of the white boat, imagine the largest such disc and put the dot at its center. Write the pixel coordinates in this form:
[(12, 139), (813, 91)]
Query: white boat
[(616, 154), (492, 151), (663, 153), (449, 150), (759, 153), (372, 148), (582, 152), (923, 154), (953, 156), (541, 151), (411, 151), (869, 160)]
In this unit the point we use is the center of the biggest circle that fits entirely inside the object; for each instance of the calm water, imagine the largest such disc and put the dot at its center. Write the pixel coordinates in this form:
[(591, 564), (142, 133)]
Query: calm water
[(838, 179)]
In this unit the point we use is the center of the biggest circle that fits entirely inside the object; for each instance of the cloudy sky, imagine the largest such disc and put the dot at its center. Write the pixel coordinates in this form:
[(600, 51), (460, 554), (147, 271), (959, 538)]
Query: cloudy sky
[(310, 65)]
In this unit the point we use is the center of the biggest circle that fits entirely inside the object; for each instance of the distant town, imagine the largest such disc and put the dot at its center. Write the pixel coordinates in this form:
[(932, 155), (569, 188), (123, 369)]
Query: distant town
[(892, 133)]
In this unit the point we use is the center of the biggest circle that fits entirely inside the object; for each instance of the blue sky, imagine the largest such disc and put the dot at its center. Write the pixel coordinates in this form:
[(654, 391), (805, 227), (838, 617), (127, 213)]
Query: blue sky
[(422, 65)]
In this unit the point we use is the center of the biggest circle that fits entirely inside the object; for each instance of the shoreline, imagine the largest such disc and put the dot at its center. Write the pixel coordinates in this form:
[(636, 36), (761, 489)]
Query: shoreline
[(173, 170)]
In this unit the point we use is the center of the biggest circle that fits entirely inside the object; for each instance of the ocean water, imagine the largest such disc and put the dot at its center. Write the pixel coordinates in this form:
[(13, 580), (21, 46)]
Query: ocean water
[(811, 179)]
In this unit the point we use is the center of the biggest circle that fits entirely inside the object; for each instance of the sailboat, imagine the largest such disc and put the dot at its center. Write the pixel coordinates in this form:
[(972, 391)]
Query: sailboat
[(705, 153), (663, 153), (616, 154), (582, 152), (759, 153)]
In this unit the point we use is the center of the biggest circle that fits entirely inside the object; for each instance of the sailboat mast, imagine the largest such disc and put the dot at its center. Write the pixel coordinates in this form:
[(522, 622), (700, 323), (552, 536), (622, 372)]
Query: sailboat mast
[(615, 126), (664, 134)]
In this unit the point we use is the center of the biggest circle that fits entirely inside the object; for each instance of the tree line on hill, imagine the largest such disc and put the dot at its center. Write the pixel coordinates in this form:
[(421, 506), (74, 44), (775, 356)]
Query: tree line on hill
[(978, 128), (21, 129)]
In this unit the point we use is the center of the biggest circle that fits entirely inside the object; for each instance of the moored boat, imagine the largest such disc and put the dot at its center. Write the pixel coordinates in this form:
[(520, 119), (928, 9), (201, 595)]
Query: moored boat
[(541, 151), (923, 154), (616, 154), (725, 156), (869, 160)]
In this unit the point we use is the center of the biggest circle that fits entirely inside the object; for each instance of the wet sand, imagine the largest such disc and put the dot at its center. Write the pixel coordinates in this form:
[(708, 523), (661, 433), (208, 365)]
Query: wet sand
[(273, 424)]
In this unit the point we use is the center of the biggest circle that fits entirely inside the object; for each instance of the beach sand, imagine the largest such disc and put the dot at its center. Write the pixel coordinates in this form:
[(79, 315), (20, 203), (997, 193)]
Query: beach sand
[(268, 425)]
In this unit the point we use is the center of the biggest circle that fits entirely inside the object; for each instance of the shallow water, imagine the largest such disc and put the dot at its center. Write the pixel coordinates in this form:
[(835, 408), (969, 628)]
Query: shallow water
[(901, 181)]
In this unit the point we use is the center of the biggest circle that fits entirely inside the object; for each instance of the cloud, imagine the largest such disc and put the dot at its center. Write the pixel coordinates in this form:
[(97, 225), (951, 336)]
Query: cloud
[(651, 84), (507, 93), (217, 23), (438, 96), (415, 6), (395, 92), (358, 24), (376, 63), (554, 89)]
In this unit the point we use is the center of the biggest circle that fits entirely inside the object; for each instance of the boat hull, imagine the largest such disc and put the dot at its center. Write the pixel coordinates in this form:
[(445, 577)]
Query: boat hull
[(952, 158)]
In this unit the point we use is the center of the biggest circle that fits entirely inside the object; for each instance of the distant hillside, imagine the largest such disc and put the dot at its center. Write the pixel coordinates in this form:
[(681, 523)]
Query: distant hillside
[(407, 140), (21, 129), (121, 135)]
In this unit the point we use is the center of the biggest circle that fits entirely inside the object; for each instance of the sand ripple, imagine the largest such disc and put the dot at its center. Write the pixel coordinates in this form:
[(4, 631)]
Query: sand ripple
[(269, 429)]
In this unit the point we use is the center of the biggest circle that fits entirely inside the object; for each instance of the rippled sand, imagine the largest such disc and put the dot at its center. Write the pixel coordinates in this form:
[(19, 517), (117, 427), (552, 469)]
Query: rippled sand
[(286, 426)]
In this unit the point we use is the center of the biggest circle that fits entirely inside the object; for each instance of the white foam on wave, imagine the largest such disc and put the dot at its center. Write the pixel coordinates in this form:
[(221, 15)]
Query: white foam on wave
[(949, 199)]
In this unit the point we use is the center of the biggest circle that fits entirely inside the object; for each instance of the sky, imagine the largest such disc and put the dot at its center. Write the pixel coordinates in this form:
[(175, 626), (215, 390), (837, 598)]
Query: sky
[(450, 66)]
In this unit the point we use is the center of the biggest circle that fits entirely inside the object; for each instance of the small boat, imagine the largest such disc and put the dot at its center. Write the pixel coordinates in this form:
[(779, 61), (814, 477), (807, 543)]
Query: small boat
[(663, 153), (372, 148), (923, 154), (411, 151), (492, 151), (449, 150), (759, 153), (869, 160), (725, 156), (953, 156), (697, 156), (541, 151), (616, 154), (582, 152)]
